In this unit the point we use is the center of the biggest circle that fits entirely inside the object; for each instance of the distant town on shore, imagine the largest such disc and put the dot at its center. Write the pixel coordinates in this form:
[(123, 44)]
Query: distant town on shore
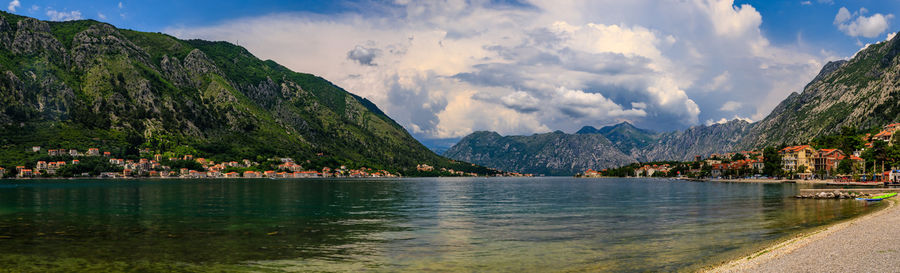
[(68, 163), (870, 158)]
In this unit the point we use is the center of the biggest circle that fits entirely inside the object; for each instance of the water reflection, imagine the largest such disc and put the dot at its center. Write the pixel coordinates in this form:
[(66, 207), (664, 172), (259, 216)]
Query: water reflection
[(458, 224), (202, 221)]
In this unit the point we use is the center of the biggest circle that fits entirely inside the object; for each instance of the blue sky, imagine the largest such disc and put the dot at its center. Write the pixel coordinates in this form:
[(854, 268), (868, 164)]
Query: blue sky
[(785, 22), (445, 68)]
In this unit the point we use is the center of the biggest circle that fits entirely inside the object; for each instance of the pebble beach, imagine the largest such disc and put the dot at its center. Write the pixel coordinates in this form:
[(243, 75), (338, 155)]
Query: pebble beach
[(869, 243)]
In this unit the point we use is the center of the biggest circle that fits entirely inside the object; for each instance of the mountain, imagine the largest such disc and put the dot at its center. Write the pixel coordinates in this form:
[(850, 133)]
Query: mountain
[(698, 140), (81, 84), (555, 153), (863, 92), (558, 153), (624, 136)]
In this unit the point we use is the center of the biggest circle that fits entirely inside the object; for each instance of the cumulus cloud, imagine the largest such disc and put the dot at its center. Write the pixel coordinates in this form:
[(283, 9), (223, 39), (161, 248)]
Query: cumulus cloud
[(856, 24), (63, 15), (363, 55), (13, 5), (447, 68)]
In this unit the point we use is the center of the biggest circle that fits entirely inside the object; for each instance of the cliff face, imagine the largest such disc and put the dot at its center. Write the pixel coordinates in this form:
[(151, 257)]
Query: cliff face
[(85, 84), (555, 153)]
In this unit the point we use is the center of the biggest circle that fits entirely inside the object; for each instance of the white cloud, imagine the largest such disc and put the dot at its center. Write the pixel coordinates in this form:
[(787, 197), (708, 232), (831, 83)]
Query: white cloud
[(121, 5), (720, 82), (730, 20), (842, 16), (34, 8), (63, 15), (13, 5), (730, 106), (862, 26), (806, 3), (447, 68), (101, 16)]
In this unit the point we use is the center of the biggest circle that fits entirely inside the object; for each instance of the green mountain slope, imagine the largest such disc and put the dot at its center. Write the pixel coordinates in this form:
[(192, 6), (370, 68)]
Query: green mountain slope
[(82, 84)]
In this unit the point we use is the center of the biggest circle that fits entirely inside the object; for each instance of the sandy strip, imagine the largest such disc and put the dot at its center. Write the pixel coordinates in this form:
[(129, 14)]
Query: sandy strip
[(870, 243)]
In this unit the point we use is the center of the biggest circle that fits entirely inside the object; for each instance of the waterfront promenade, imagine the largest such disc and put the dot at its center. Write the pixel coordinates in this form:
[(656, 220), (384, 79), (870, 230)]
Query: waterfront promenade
[(869, 244)]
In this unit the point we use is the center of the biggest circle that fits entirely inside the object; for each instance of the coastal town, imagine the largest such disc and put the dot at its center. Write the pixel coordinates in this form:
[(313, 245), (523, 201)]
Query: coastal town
[(64, 161), (67, 163), (802, 162)]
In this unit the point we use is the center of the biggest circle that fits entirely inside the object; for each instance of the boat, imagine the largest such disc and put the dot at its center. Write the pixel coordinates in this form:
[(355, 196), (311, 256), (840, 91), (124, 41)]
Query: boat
[(878, 198)]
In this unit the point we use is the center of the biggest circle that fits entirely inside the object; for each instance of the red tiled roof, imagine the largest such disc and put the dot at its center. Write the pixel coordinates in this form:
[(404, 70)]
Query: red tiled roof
[(884, 133), (795, 148)]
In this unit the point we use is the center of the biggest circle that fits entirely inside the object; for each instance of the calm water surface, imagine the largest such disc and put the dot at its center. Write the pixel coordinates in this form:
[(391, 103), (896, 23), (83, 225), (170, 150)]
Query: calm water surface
[(431, 224)]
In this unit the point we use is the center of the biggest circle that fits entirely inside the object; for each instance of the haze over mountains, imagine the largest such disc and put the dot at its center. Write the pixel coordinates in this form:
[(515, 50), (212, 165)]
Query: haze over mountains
[(863, 92)]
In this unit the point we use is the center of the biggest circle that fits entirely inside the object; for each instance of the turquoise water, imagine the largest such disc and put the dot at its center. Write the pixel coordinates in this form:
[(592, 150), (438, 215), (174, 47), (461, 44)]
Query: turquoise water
[(428, 224)]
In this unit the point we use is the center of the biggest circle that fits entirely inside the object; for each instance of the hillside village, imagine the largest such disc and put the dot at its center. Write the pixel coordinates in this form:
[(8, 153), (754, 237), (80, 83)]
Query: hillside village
[(877, 159)]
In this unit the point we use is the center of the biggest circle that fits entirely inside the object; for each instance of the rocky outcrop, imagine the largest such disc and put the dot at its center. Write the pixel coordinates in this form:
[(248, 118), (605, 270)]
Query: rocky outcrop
[(176, 74), (198, 64), (104, 40), (33, 37)]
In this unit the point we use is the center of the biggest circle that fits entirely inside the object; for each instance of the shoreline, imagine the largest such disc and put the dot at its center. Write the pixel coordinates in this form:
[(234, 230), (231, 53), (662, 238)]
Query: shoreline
[(757, 260)]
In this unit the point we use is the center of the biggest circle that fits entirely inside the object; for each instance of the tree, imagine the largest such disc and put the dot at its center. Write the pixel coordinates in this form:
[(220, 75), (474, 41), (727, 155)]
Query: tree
[(771, 162), (845, 166), (738, 156)]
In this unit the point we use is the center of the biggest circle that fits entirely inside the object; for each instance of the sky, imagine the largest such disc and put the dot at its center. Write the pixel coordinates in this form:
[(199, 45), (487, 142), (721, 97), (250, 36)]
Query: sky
[(446, 68)]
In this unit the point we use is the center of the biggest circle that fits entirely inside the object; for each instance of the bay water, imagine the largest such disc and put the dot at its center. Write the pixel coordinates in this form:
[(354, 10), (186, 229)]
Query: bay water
[(553, 224)]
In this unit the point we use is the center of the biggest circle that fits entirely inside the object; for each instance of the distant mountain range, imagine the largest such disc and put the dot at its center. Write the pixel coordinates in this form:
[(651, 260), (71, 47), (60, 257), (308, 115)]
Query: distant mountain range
[(81, 84), (863, 92)]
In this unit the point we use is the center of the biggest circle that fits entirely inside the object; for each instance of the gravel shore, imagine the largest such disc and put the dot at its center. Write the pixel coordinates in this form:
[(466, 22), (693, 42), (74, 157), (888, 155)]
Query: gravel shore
[(870, 243)]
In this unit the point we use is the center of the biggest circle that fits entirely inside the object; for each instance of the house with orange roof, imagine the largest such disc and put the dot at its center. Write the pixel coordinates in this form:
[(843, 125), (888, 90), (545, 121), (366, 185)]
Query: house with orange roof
[(2, 172), (795, 157), (251, 174), (828, 159), (884, 135)]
